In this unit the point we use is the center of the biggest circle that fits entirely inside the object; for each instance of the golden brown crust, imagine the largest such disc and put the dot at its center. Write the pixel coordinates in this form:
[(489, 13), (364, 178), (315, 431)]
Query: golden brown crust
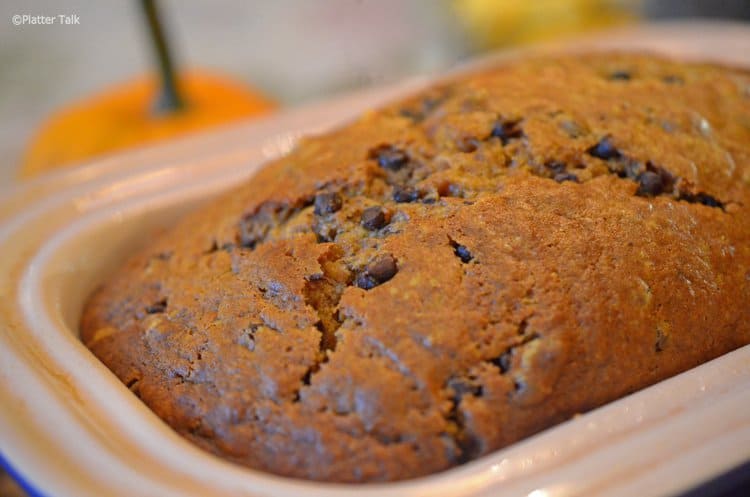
[(537, 240)]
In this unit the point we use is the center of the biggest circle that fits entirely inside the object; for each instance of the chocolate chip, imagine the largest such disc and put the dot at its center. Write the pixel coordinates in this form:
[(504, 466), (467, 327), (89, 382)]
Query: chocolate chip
[(671, 79), (505, 130), (157, 307), (248, 243), (556, 167), (503, 361), (379, 270), (620, 76), (464, 386), (327, 203), (604, 150), (325, 231), (649, 184), (448, 189), (463, 253), (412, 114), (373, 218), (628, 168), (252, 232), (365, 282), (702, 198), (426, 106), (564, 176), (405, 194), (383, 268), (213, 248), (467, 144), (389, 157), (708, 200)]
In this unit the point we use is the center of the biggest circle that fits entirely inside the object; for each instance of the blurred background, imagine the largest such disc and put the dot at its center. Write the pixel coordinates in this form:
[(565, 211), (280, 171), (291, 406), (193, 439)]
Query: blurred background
[(69, 92), (88, 84)]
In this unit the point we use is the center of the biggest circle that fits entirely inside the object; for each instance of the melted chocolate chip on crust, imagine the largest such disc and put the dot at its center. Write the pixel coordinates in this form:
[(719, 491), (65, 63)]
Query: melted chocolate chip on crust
[(462, 252), (650, 184), (506, 130), (565, 176), (405, 194), (157, 307), (327, 203), (373, 218), (604, 150), (378, 271), (620, 75), (389, 157)]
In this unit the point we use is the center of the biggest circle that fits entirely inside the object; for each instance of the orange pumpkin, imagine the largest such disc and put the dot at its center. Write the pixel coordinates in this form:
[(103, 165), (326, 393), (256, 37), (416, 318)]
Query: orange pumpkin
[(124, 117)]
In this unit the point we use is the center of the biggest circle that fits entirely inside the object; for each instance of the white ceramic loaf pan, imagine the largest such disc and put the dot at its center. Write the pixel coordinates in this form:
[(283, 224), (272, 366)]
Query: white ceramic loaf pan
[(69, 428)]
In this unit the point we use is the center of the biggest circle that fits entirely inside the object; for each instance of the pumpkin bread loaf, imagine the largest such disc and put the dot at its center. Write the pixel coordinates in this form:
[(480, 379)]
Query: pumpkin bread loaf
[(451, 273)]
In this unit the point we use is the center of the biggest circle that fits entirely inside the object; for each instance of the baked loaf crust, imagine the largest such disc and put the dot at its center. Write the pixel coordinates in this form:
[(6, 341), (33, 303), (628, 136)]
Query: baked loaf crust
[(449, 274)]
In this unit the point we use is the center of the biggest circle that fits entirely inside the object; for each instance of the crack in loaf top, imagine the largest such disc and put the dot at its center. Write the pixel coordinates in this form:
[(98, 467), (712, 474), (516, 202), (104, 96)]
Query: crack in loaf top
[(451, 273)]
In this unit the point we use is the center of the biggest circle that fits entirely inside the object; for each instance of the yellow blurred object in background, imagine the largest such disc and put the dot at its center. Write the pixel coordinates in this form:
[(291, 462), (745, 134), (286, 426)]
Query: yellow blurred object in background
[(124, 117), (500, 23)]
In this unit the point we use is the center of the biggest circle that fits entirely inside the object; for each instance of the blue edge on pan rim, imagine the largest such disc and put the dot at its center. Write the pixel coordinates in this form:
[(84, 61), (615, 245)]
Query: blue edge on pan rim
[(24, 484), (735, 479)]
